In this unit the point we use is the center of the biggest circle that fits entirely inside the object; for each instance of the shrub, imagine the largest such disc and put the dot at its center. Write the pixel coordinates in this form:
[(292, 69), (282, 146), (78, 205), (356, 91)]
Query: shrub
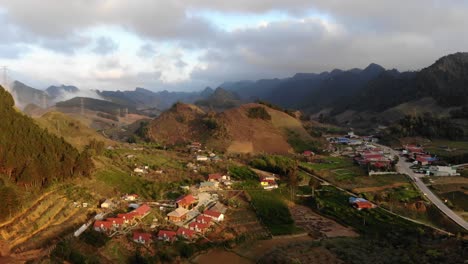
[(259, 113)]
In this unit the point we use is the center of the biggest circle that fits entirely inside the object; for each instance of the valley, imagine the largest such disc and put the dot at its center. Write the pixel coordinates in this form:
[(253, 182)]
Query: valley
[(189, 177)]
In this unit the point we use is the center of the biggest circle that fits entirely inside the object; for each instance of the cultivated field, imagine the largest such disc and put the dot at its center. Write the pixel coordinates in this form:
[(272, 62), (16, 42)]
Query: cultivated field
[(318, 226), (454, 190)]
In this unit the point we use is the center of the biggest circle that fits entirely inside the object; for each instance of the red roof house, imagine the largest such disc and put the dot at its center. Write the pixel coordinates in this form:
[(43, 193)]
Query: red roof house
[(103, 226), (142, 238), (167, 236), (214, 177), (308, 153), (186, 201), (199, 227), (142, 211), (216, 216), (363, 205), (185, 233), (117, 222), (203, 219), (128, 217)]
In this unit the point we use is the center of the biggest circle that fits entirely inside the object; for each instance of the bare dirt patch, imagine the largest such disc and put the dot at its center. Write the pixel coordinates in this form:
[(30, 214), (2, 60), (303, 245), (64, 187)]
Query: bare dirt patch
[(217, 255), (241, 147), (317, 225)]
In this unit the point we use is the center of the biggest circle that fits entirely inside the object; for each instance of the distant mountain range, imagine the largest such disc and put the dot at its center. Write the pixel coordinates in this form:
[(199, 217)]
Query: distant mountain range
[(372, 90), (142, 98), (307, 90)]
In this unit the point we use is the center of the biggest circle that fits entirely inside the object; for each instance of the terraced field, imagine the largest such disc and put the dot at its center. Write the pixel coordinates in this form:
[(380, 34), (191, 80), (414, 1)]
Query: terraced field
[(245, 222), (49, 216)]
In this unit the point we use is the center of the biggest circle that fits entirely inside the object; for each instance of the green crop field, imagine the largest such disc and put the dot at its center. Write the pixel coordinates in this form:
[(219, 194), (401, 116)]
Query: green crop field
[(273, 211)]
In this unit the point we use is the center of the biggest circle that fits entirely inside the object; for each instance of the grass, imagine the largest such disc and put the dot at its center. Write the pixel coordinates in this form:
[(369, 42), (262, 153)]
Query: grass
[(451, 151), (454, 189), (124, 183), (329, 163), (300, 144), (72, 130), (150, 157)]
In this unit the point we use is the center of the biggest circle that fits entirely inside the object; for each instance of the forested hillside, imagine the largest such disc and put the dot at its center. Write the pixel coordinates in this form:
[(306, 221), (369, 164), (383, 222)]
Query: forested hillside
[(29, 155)]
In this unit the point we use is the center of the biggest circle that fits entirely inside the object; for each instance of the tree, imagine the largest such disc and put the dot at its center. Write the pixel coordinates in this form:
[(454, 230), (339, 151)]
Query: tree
[(314, 185), (292, 180)]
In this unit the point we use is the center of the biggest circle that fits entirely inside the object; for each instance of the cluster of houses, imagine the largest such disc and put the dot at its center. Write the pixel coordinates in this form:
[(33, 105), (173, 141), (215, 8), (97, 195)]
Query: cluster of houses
[(112, 224), (373, 158), (189, 226), (215, 181), (352, 139), (201, 155), (360, 203), (418, 156)]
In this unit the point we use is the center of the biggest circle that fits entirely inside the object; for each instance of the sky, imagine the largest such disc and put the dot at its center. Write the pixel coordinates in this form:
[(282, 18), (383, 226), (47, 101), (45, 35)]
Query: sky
[(188, 45)]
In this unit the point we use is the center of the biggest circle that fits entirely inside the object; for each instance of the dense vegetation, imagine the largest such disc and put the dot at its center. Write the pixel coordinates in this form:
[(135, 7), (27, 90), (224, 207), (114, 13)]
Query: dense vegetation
[(242, 173), (274, 163), (258, 112), (29, 155), (299, 144), (427, 126)]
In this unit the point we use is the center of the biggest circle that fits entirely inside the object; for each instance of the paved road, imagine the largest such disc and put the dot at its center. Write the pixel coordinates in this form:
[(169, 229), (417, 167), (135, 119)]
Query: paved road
[(404, 167)]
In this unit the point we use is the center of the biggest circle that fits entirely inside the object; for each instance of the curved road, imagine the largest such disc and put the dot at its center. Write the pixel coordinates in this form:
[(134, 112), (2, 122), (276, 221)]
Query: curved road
[(404, 168)]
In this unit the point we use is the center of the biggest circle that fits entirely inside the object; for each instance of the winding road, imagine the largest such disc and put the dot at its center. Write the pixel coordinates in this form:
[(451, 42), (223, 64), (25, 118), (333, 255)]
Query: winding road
[(404, 168)]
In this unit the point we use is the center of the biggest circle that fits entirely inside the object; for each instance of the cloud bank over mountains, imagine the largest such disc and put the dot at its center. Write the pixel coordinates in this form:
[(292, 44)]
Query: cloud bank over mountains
[(186, 45)]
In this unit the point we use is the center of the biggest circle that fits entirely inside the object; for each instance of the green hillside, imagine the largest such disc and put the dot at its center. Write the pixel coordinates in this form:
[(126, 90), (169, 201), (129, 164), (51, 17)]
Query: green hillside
[(73, 131), (30, 155)]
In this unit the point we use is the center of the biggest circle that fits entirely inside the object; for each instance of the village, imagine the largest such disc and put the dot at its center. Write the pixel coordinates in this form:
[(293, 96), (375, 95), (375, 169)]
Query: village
[(202, 212), (188, 218), (377, 160)]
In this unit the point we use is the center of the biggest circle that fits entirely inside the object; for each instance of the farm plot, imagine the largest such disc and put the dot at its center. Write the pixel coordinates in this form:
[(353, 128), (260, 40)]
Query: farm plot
[(454, 190), (318, 226), (245, 223)]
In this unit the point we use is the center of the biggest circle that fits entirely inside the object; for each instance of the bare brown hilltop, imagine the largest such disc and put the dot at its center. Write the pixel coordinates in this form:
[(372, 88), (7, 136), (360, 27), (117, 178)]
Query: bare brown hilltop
[(238, 130)]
